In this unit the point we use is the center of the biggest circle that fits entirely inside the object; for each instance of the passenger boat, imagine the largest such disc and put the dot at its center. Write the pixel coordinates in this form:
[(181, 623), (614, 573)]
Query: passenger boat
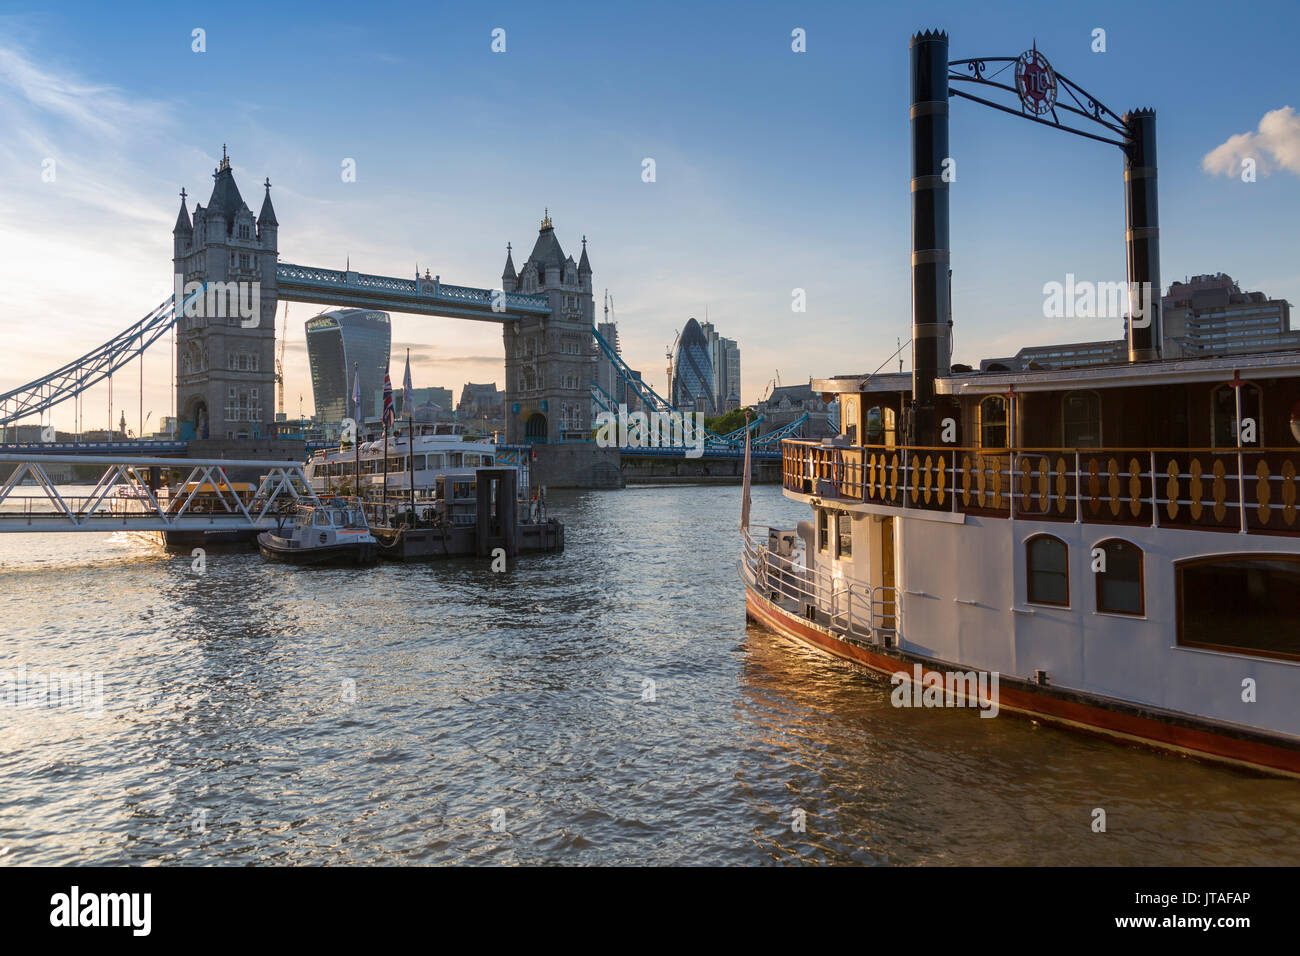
[(1102, 535), (1102, 541), (442, 449), (335, 532)]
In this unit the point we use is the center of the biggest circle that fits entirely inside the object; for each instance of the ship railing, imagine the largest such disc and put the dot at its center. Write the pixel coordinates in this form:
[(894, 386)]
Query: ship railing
[(1247, 489), (845, 605)]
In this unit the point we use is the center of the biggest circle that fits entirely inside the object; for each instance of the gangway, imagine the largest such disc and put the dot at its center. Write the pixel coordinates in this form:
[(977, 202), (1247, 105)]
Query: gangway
[(131, 495)]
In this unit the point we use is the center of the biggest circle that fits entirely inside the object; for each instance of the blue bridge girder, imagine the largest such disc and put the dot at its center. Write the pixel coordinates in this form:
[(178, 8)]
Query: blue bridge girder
[(785, 431), (715, 444), (149, 447), (336, 287), (711, 452)]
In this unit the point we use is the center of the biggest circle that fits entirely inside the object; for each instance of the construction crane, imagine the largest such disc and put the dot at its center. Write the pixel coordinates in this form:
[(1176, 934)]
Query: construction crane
[(772, 383), (669, 356), (279, 364)]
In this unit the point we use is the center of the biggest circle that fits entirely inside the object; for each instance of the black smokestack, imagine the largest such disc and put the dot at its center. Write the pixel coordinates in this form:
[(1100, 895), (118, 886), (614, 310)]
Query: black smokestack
[(930, 242)]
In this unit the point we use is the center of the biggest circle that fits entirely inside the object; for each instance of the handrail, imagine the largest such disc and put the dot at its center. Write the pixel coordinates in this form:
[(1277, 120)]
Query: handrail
[(980, 450), (1244, 489), (848, 606)]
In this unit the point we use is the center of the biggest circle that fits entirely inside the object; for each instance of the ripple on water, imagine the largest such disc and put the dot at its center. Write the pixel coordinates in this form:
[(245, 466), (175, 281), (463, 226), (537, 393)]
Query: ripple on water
[(262, 714)]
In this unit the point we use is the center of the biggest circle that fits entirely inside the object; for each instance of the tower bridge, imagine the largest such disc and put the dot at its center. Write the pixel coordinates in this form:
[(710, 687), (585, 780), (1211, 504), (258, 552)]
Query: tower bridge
[(230, 280)]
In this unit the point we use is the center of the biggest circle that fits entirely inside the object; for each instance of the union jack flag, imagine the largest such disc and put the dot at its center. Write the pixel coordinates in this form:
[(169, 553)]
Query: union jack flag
[(388, 401)]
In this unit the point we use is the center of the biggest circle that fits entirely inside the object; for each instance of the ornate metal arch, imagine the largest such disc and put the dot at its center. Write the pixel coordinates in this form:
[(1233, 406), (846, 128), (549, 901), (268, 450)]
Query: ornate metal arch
[(1086, 105)]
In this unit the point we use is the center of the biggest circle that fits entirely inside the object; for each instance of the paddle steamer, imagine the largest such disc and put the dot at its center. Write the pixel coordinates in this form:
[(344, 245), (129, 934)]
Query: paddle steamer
[(1111, 527)]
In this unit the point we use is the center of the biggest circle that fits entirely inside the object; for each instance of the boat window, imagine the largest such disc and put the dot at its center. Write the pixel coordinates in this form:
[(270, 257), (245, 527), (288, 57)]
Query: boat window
[(488, 461), (1241, 603), (844, 538), (340, 519), (419, 463), (993, 422), (437, 461), (454, 459), (471, 461), (1224, 412), (880, 426), (1118, 570), (1048, 570), (1081, 418), (321, 519), (823, 533)]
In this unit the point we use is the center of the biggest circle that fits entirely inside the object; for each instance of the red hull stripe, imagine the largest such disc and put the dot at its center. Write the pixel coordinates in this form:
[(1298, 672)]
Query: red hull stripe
[(1135, 727)]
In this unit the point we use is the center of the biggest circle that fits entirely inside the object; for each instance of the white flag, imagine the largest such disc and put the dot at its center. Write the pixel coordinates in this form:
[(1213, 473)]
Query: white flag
[(407, 391)]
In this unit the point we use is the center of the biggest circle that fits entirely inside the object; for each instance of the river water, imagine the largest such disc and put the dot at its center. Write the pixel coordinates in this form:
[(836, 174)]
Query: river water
[(445, 713)]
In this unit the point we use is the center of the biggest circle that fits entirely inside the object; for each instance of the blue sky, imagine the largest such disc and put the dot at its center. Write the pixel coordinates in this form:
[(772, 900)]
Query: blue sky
[(775, 170)]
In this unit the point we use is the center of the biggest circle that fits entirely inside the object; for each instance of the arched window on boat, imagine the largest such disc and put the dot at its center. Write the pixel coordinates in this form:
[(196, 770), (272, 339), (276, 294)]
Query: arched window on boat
[(880, 427), (848, 415), (993, 422), (1048, 570), (1081, 420), (1223, 412), (1117, 568)]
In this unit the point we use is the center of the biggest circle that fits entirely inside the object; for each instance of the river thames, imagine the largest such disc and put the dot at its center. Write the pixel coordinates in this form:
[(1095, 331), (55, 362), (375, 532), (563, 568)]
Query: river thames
[(443, 713)]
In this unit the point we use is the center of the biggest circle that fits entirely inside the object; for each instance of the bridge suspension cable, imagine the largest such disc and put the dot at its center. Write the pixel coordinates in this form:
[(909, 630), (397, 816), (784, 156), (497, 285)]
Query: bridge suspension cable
[(655, 402), (95, 366)]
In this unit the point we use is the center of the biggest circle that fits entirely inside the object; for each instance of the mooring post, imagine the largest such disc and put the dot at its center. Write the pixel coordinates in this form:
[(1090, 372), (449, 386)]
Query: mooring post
[(930, 241)]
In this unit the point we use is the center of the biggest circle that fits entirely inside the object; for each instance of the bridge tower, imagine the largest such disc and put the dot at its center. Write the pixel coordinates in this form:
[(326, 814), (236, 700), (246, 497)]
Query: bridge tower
[(225, 338), (550, 363)]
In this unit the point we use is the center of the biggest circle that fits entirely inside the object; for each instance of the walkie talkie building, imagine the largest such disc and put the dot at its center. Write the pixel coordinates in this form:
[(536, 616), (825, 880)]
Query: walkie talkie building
[(336, 340)]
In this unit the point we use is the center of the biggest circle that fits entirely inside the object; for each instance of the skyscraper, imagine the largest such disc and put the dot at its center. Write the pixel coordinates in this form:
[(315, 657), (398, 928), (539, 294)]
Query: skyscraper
[(691, 389), (336, 340), (724, 357)]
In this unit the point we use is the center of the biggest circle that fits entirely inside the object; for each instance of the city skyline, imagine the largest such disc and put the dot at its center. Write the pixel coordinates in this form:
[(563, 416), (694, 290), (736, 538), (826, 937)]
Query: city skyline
[(775, 171)]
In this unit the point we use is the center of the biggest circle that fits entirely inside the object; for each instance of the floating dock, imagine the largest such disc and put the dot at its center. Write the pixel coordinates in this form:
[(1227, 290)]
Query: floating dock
[(462, 526)]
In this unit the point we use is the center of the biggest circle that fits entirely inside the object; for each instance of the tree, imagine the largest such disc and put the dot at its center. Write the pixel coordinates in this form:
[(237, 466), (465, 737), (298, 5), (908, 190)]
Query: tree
[(724, 424)]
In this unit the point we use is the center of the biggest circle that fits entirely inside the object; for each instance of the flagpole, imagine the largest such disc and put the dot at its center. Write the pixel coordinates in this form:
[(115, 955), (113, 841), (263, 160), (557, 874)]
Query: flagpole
[(410, 430), (356, 431), (386, 420), (744, 491)]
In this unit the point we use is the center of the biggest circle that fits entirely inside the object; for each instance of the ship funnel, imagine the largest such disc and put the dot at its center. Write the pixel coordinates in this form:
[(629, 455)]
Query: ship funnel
[(930, 242), (1142, 237)]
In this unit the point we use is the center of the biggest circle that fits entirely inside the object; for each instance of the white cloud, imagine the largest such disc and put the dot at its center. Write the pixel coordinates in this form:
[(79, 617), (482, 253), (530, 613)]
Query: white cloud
[(1275, 145)]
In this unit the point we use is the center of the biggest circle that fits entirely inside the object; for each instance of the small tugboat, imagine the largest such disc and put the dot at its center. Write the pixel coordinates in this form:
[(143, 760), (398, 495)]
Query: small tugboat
[(335, 532)]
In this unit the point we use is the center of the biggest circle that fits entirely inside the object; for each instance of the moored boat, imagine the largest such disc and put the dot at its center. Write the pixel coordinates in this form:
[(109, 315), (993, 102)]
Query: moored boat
[(1104, 535), (332, 533)]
